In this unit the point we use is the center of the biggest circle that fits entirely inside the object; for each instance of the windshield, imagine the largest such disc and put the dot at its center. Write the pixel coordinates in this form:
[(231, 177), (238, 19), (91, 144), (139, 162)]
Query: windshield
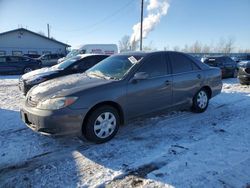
[(72, 54), (67, 63), (114, 67)]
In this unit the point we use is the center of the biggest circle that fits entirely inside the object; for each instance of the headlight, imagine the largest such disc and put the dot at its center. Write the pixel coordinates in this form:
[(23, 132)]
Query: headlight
[(36, 80), (56, 103)]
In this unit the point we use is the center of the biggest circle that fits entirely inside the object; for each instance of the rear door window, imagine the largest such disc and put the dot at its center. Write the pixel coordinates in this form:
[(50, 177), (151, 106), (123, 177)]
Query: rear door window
[(180, 63)]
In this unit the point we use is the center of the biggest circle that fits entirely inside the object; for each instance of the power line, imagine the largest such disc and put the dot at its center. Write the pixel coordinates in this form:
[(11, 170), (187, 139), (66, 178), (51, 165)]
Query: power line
[(96, 24)]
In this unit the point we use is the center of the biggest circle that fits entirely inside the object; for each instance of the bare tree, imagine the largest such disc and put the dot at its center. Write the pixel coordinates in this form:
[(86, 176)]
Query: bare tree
[(206, 49), (186, 49), (176, 48), (229, 45), (225, 46), (149, 47), (196, 47), (124, 44), (166, 48), (134, 45)]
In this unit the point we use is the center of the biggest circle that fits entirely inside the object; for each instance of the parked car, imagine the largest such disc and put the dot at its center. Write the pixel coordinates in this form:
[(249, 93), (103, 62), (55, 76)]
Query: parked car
[(106, 49), (77, 64), (49, 60), (226, 64), (244, 72), (71, 54), (244, 58), (18, 64), (119, 88), (34, 56)]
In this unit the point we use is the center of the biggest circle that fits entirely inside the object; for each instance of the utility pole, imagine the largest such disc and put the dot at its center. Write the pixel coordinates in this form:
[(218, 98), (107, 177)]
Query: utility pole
[(48, 30), (142, 1)]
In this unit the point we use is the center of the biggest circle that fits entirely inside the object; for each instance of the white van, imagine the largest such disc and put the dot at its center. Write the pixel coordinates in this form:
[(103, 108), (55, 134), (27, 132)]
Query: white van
[(106, 49)]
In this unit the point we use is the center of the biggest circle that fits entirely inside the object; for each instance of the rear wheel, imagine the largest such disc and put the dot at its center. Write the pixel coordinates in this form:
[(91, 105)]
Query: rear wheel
[(102, 124), (244, 83), (200, 101), (27, 69)]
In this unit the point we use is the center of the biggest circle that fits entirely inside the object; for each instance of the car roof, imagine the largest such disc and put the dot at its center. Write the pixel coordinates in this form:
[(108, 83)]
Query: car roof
[(143, 53), (215, 57), (87, 55)]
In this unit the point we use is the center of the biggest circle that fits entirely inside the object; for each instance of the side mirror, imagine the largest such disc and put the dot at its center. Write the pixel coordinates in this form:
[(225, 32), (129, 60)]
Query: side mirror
[(140, 76)]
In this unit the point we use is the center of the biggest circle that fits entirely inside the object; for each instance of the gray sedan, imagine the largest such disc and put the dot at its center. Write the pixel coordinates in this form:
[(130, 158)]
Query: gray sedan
[(119, 88)]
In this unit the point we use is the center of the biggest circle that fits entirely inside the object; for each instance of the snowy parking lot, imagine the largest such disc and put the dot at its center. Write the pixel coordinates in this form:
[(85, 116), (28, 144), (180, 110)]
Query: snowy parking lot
[(176, 149)]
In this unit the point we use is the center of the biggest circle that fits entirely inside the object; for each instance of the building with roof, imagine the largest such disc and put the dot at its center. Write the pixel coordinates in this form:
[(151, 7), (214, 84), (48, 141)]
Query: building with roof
[(23, 41)]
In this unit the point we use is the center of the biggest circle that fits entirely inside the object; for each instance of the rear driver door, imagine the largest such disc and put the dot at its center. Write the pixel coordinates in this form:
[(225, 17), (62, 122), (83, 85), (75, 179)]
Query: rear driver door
[(187, 78)]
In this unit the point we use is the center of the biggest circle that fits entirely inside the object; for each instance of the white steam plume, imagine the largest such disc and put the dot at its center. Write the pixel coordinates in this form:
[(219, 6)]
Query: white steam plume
[(156, 9)]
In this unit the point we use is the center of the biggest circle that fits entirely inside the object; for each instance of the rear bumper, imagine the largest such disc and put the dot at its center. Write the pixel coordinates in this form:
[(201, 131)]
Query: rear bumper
[(59, 122)]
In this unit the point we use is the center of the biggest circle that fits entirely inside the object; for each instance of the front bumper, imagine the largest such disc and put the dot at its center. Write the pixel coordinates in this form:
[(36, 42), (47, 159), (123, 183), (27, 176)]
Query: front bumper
[(65, 121)]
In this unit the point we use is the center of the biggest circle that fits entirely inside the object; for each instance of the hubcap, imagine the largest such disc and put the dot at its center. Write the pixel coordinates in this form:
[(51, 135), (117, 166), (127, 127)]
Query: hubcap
[(202, 99), (105, 125), (27, 70)]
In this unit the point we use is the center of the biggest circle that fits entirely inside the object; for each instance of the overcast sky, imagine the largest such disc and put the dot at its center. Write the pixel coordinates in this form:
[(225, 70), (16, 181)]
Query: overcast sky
[(106, 21)]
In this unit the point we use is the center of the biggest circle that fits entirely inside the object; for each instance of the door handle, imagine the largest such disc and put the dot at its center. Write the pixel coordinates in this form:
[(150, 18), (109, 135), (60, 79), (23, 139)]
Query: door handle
[(198, 76)]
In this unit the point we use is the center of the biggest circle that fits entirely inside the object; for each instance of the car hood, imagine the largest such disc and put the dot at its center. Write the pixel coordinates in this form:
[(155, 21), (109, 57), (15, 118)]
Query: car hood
[(65, 86), (40, 73)]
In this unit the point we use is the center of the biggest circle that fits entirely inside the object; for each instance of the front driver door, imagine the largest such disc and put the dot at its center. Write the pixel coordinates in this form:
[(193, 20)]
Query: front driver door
[(153, 93)]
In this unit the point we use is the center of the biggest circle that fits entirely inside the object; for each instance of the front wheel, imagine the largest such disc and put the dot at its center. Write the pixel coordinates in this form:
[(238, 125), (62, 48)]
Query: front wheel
[(102, 124), (200, 101)]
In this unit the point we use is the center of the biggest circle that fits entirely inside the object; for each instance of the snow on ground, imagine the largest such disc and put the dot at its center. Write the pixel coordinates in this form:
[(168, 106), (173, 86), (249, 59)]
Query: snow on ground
[(176, 149)]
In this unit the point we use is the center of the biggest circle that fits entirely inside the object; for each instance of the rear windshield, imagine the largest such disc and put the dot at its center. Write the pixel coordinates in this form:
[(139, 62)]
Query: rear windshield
[(213, 62), (67, 62)]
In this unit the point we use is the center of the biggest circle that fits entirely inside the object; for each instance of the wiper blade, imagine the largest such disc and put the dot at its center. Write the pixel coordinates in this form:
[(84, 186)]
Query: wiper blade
[(97, 75)]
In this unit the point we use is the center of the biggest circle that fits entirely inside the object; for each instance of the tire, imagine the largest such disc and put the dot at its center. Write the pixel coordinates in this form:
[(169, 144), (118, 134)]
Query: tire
[(102, 124), (200, 101), (27, 69), (243, 83)]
